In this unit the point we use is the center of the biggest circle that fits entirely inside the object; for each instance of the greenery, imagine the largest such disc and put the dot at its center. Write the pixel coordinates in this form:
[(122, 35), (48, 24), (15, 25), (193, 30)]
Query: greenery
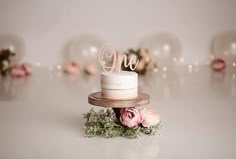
[(105, 124), (5, 60)]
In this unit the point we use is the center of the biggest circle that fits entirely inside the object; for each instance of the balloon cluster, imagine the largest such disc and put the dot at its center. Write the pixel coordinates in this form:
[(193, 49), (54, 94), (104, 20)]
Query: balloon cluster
[(164, 49)]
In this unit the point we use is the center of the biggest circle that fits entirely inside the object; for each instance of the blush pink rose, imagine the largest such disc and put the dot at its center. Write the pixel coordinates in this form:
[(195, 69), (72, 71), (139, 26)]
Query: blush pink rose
[(90, 69), (72, 68), (218, 65), (130, 117), (150, 117), (27, 68), (17, 71)]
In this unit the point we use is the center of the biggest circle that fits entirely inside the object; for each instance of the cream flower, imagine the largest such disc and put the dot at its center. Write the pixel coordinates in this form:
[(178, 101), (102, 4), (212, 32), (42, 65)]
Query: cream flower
[(150, 117)]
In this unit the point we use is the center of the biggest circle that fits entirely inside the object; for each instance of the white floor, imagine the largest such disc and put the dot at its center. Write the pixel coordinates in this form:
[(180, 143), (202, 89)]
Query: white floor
[(41, 117)]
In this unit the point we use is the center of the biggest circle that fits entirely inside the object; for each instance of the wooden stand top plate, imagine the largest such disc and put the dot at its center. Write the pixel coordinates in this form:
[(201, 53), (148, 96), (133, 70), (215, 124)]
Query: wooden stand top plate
[(98, 100)]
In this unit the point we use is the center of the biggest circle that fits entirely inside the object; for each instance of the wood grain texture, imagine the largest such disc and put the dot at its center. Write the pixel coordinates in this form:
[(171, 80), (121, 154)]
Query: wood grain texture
[(98, 100)]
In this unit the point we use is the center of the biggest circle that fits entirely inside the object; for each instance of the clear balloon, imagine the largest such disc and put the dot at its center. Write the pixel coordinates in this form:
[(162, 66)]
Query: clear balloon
[(164, 48), (84, 49), (224, 47), (15, 44)]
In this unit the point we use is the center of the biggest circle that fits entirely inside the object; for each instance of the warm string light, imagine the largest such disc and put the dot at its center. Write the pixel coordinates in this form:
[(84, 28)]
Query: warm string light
[(212, 57), (38, 64), (190, 67), (50, 68), (164, 69), (234, 64), (155, 70), (59, 67)]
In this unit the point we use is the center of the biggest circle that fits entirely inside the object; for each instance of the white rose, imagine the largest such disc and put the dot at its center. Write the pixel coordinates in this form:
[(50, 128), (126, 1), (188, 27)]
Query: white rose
[(150, 117)]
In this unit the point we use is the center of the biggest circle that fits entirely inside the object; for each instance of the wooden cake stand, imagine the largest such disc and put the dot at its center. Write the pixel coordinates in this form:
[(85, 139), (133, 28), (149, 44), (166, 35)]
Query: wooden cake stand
[(97, 100)]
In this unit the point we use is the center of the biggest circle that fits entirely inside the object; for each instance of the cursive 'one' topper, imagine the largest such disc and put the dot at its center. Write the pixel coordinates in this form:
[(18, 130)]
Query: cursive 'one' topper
[(116, 57)]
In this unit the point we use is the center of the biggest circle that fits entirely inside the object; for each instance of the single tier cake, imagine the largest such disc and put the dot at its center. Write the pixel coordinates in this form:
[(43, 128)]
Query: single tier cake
[(119, 85)]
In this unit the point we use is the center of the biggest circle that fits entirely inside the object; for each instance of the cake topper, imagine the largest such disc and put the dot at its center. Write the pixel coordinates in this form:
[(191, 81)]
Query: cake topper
[(116, 59)]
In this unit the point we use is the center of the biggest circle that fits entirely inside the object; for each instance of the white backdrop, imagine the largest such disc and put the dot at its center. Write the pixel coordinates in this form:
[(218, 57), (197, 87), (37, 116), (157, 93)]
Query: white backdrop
[(46, 26)]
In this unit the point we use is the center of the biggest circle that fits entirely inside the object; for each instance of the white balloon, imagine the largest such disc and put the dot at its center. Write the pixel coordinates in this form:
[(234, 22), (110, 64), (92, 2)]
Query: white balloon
[(84, 49), (224, 47), (163, 48)]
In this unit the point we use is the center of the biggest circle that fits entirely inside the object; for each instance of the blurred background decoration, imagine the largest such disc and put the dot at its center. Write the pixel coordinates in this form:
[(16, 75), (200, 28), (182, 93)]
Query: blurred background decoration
[(224, 47), (83, 49), (81, 54), (15, 44), (165, 49), (145, 63), (6, 56)]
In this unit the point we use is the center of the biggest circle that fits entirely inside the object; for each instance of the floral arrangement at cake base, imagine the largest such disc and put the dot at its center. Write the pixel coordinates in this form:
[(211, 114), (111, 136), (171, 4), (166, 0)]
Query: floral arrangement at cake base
[(127, 122)]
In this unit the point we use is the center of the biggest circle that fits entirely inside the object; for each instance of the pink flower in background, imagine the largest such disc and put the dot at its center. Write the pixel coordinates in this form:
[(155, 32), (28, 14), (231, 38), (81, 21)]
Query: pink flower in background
[(141, 65), (218, 64), (27, 68), (17, 71), (72, 68), (150, 117), (145, 55), (90, 69), (130, 117)]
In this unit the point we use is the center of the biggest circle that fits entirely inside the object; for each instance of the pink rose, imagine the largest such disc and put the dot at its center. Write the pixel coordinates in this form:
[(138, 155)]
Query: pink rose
[(145, 55), (72, 68), (17, 71), (141, 65), (27, 68), (90, 69), (130, 117), (218, 65), (150, 117)]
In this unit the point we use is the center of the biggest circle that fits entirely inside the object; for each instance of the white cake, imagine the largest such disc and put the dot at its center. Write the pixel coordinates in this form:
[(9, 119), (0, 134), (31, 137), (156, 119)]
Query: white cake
[(119, 85)]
